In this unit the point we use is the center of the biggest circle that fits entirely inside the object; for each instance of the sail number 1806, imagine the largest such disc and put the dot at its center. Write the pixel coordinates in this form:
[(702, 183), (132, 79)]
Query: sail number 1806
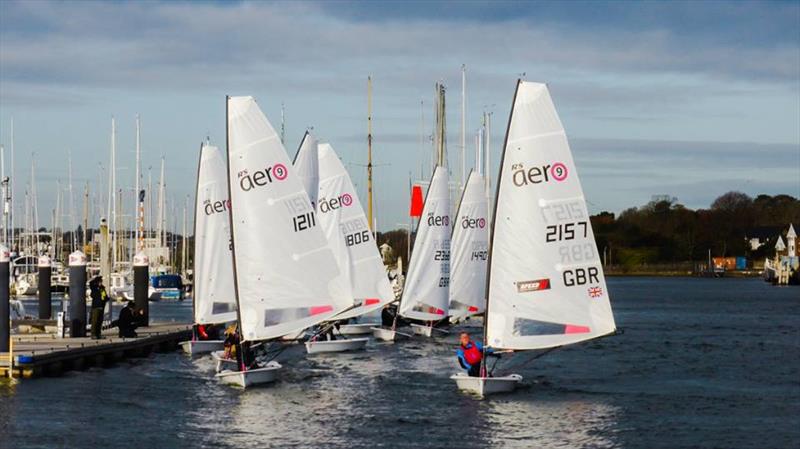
[(357, 238), (566, 231)]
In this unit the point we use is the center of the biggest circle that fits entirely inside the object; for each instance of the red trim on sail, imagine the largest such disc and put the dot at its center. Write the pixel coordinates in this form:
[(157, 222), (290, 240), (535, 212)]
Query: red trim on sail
[(320, 309), (472, 309), (371, 301), (436, 311), (573, 329)]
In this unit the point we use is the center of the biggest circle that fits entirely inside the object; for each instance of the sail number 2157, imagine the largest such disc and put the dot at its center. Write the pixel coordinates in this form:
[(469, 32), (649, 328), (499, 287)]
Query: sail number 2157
[(566, 231)]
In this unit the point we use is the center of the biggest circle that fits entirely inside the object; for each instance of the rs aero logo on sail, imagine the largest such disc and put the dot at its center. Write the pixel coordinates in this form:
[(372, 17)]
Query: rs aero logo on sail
[(214, 207), (328, 205), (260, 178), (538, 174), (438, 220), (473, 223)]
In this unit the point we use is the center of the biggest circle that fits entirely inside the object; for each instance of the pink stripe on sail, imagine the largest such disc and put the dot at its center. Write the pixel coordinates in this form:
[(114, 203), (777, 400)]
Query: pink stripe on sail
[(371, 301), (573, 329), (436, 311), (320, 309)]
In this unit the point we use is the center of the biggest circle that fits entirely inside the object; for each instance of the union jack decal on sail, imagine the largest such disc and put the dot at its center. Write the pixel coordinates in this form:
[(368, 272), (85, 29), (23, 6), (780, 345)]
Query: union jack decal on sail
[(595, 292)]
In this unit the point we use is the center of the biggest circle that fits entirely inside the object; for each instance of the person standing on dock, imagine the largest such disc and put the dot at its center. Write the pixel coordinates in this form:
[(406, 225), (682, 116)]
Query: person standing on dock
[(99, 299)]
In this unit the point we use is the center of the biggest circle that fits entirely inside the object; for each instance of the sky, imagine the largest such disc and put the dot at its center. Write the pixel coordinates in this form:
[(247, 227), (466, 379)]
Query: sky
[(687, 99)]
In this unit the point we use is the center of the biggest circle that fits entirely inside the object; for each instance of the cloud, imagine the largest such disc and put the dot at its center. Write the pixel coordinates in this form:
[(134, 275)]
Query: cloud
[(638, 90), (190, 45)]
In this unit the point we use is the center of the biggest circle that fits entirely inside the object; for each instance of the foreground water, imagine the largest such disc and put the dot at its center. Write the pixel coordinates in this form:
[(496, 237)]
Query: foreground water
[(702, 363)]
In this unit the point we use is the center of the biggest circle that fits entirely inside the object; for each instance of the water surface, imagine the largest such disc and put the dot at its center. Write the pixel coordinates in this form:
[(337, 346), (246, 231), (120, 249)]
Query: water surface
[(702, 363)]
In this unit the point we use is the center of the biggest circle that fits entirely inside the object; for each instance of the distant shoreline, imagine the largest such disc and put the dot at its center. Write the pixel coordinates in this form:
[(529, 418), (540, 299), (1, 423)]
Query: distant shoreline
[(668, 273)]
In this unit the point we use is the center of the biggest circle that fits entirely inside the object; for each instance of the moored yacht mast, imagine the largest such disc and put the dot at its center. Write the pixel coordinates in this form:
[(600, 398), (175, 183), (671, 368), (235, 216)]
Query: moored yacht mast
[(369, 155)]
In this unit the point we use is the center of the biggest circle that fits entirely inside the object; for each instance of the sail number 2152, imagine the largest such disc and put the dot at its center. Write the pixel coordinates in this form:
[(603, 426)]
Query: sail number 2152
[(566, 231)]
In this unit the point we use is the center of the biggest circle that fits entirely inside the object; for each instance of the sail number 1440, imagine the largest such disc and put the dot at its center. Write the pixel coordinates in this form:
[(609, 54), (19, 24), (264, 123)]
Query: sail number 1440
[(566, 231)]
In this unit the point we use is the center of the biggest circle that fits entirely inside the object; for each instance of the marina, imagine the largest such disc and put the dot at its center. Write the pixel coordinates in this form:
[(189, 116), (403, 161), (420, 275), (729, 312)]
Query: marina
[(440, 224), (36, 355)]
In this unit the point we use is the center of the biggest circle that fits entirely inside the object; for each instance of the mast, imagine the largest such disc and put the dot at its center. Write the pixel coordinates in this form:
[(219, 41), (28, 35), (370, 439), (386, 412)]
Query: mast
[(161, 204), (242, 366), (183, 237), (11, 187), (34, 205), (462, 181), (283, 124), (150, 201), (86, 214), (194, 223), (441, 134), (57, 241), (369, 154), (111, 211), (139, 202), (5, 186), (478, 152), (492, 228), (422, 139), (74, 239), (487, 168)]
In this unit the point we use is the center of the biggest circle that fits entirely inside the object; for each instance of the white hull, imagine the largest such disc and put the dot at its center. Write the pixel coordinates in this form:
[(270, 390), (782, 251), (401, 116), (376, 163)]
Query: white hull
[(250, 378), (483, 386), (357, 329), (425, 331), (352, 344), (386, 334), (383, 334), (223, 363), (199, 347)]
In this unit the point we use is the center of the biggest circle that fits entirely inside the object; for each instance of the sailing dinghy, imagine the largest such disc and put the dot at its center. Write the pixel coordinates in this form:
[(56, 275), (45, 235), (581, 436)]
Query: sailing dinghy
[(470, 251), (214, 299), (276, 243), (425, 296), (545, 285), (344, 223)]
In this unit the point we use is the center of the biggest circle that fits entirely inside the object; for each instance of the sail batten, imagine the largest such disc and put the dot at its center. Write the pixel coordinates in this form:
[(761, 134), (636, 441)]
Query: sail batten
[(276, 238), (546, 286)]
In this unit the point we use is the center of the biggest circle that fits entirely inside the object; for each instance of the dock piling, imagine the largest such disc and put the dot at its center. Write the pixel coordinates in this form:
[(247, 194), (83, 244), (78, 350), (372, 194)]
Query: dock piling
[(141, 284), (77, 294), (5, 293), (45, 303)]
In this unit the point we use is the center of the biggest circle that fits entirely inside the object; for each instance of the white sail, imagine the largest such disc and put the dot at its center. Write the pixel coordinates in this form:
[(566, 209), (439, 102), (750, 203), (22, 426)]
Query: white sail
[(214, 294), (425, 296), (546, 284), (306, 165), (342, 219), (470, 250), (283, 264)]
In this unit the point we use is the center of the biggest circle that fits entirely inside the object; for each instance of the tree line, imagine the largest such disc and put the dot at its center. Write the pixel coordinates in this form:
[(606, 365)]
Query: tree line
[(664, 231)]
